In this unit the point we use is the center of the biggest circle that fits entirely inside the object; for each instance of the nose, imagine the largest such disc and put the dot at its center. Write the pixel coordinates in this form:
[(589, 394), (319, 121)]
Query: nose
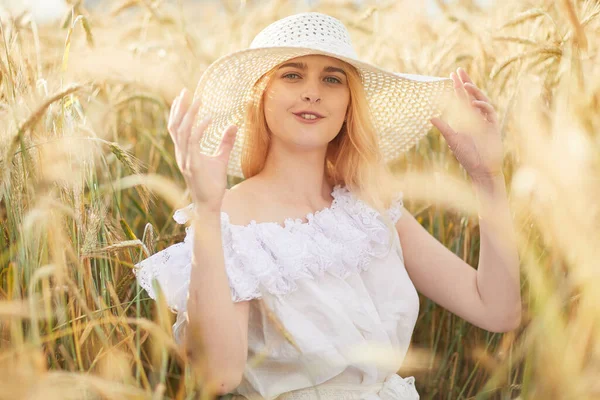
[(311, 97), (311, 94)]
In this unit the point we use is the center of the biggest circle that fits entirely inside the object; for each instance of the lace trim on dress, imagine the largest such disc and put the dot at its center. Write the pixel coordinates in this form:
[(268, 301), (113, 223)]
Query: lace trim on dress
[(341, 240)]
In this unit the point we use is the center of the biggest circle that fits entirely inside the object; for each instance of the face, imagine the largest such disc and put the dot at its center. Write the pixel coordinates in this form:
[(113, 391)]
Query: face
[(311, 84)]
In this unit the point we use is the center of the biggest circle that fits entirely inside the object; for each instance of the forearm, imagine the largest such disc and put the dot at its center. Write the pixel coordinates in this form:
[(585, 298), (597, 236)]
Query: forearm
[(498, 279), (214, 338)]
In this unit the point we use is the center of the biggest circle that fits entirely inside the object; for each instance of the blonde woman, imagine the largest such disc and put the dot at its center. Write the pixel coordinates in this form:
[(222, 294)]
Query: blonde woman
[(312, 257)]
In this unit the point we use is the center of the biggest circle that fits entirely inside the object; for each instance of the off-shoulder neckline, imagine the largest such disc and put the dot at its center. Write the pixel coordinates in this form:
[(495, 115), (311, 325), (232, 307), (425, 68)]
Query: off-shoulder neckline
[(291, 222)]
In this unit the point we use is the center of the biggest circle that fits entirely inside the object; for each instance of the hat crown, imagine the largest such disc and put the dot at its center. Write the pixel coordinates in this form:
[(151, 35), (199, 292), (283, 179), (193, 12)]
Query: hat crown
[(308, 30)]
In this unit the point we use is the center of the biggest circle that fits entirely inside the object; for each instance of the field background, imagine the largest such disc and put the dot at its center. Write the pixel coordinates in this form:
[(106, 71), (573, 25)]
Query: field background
[(88, 184)]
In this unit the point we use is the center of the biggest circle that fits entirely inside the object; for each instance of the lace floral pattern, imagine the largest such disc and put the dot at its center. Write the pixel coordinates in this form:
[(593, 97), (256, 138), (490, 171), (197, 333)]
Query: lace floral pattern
[(340, 240)]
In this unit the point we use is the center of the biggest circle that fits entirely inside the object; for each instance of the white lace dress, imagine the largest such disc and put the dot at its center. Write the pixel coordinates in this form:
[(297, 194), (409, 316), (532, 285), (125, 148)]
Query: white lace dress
[(337, 284)]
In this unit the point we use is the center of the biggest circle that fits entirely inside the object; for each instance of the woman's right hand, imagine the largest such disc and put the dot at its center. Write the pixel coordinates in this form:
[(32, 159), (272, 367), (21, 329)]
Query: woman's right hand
[(205, 175)]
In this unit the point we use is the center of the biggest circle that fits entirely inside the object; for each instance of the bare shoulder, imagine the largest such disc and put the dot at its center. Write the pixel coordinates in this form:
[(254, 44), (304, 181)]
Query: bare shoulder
[(240, 202)]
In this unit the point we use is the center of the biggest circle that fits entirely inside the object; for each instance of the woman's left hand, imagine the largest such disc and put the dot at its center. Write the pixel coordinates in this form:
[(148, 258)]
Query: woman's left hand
[(476, 140)]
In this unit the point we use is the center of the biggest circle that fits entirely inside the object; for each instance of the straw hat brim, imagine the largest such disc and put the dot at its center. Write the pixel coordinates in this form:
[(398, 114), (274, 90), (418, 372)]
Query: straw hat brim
[(401, 104)]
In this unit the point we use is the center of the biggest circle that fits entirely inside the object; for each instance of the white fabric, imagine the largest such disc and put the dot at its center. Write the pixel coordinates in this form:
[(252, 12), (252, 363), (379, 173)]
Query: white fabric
[(336, 283), (393, 388)]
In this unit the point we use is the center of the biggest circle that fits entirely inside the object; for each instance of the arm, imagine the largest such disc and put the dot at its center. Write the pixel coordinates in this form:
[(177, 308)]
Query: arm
[(488, 297), (217, 332), (498, 279)]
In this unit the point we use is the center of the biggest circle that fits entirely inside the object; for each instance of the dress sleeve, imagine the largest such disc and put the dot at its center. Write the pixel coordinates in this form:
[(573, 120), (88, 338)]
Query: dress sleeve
[(395, 210), (172, 266)]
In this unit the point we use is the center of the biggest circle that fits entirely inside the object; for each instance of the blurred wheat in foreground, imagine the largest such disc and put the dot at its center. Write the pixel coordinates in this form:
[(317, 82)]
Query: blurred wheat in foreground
[(88, 184)]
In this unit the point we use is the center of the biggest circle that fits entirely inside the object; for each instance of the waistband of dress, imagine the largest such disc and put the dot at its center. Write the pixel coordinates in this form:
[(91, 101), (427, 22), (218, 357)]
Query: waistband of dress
[(324, 391), (393, 388), (341, 391)]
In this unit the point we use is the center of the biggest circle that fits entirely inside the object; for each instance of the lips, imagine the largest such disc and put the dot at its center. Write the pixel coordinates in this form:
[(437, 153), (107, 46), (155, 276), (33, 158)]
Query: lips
[(307, 121), (316, 114)]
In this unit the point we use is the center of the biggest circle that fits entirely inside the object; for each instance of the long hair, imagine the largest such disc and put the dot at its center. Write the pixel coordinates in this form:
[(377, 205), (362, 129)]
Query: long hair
[(353, 157)]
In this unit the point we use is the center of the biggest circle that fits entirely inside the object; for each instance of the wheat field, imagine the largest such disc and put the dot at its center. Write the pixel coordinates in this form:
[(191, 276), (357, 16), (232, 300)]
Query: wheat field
[(88, 185)]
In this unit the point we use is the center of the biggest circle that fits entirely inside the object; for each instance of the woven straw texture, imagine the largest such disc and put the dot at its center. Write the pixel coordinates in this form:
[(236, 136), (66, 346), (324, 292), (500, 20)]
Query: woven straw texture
[(401, 104)]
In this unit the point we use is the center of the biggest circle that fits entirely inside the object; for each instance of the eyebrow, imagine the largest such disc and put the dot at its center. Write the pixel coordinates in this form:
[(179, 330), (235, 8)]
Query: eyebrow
[(303, 66)]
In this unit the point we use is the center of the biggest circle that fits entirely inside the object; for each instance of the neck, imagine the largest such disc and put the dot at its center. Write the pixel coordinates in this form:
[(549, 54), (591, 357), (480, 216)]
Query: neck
[(297, 177)]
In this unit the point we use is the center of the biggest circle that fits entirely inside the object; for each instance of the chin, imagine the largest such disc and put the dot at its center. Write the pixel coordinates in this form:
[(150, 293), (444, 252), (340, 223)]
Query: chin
[(309, 139)]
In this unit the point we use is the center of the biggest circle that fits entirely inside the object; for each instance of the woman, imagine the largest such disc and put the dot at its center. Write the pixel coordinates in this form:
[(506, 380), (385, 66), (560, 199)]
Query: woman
[(313, 258)]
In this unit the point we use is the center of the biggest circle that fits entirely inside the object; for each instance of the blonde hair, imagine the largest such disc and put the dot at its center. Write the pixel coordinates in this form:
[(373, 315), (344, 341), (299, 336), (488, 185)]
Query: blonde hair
[(353, 157)]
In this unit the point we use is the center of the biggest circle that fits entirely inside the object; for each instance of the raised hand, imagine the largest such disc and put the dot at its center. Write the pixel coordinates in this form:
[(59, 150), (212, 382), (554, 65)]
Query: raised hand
[(476, 140), (205, 175)]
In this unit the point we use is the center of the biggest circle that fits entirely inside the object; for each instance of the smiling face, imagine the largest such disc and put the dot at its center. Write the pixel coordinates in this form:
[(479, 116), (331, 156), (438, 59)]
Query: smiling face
[(311, 84)]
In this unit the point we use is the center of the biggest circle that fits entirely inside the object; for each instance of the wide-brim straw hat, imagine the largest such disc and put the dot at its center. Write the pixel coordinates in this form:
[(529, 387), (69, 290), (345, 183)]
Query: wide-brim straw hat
[(401, 104)]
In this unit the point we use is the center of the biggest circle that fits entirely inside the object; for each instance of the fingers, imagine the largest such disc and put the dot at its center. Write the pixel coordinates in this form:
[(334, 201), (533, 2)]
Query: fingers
[(182, 106), (479, 100), (173, 104), (449, 134), (170, 126), (188, 120), (197, 132), (178, 114), (470, 86), (227, 142), (487, 109), (459, 88), (464, 77), (476, 92)]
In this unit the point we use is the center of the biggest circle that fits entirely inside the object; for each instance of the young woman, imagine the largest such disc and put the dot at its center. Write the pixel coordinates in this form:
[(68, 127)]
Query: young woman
[(313, 258)]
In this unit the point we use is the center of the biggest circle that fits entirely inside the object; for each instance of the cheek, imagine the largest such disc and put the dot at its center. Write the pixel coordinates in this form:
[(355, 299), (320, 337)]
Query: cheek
[(342, 103), (276, 103), (277, 98)]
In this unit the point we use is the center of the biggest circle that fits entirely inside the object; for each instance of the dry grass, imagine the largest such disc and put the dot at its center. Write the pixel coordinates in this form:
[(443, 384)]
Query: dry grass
[(83, 107)]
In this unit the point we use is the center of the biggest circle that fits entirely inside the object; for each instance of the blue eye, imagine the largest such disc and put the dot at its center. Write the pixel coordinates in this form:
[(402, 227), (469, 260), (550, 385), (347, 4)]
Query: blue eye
[(293, 75)]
